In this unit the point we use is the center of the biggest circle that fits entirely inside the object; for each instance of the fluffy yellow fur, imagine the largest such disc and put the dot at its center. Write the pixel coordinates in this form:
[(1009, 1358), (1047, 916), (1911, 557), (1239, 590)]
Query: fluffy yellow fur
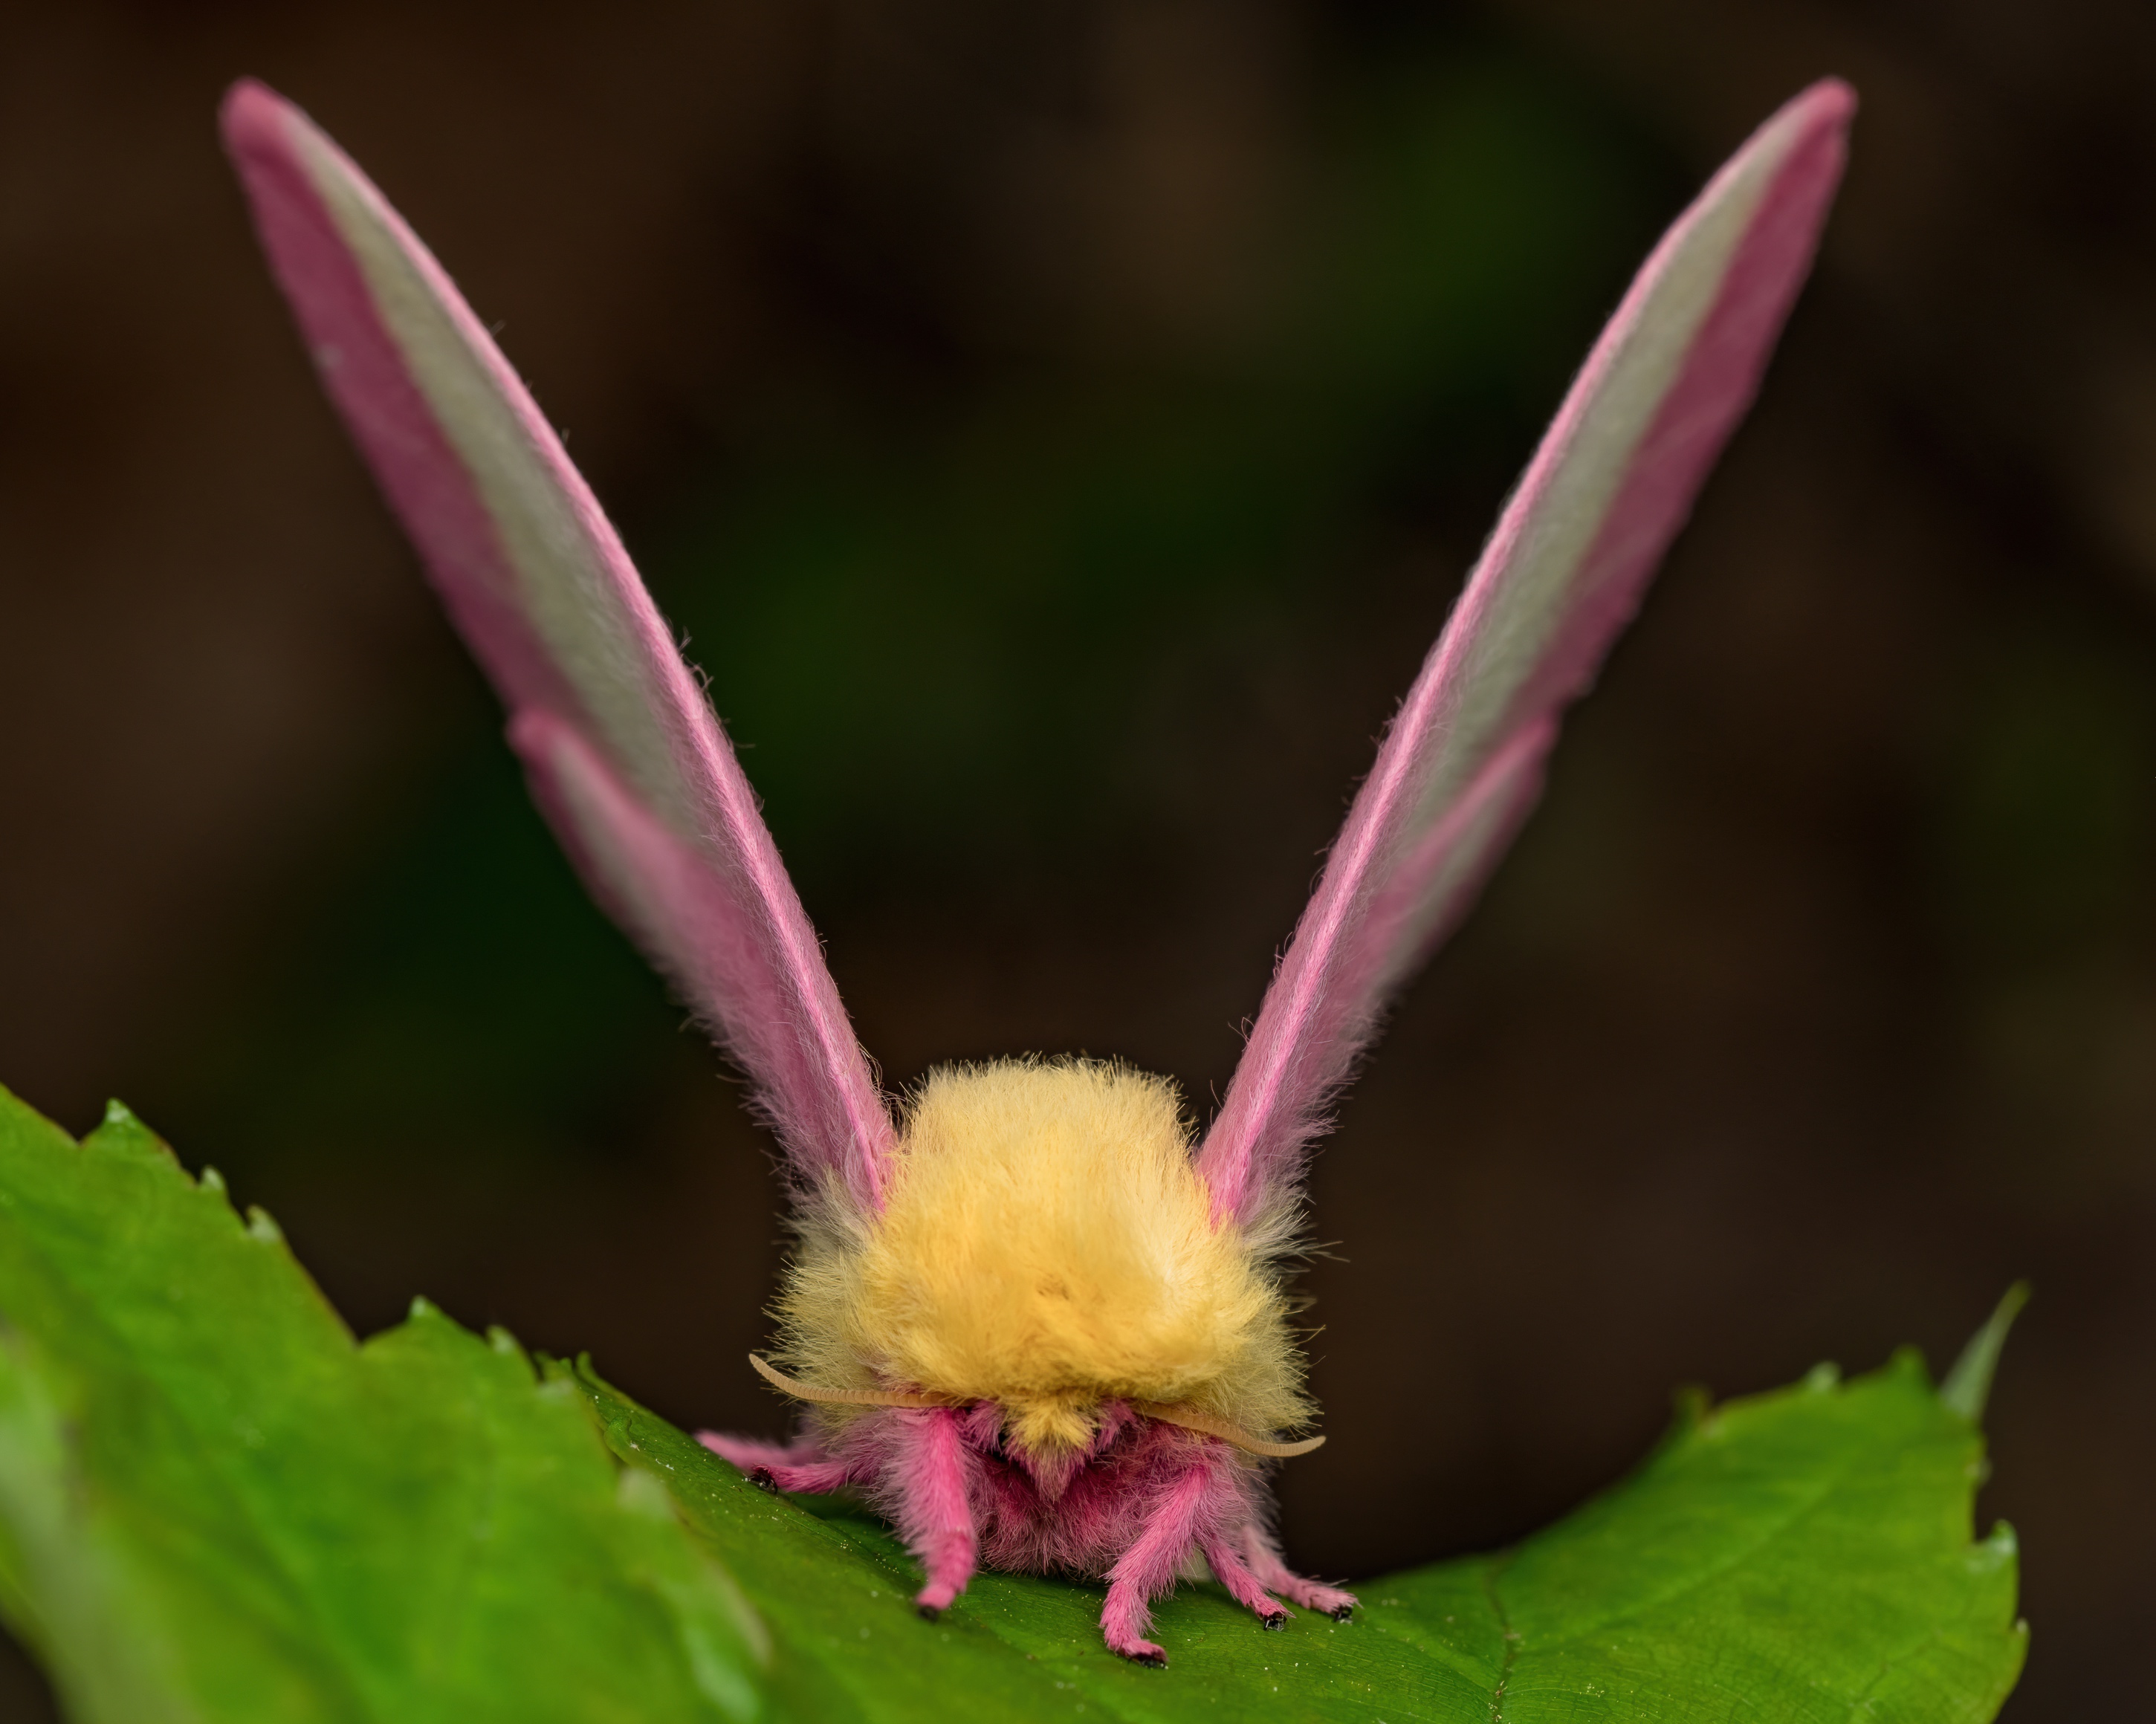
[(1045, 1245)]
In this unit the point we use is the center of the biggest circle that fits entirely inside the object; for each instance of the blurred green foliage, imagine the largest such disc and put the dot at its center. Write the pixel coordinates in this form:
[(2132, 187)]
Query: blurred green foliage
[(2043, 843), (912, 623), (2041, 847)]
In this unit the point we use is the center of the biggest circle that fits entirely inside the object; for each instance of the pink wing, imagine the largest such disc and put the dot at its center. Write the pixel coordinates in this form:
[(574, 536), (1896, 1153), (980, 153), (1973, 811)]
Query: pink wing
[(622, 749), (1462, 765)]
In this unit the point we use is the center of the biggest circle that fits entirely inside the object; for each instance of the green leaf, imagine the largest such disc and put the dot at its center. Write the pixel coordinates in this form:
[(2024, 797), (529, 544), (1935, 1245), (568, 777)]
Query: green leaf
[(1795, 1556), (1968, 1386), (215, 1505)]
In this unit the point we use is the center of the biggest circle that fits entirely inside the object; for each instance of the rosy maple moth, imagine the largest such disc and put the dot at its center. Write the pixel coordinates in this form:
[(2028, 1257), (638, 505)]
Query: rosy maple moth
[(1032, 1319)]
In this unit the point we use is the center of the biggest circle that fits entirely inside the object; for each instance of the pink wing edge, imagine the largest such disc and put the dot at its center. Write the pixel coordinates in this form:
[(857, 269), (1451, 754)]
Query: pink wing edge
[(1346, 957), (715, 908)]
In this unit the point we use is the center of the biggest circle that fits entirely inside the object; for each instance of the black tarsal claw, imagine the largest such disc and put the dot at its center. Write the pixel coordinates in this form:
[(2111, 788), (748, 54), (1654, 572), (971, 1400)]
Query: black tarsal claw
[(1152, 1660), (929, 1613), (1345, 1613), (762, 1480), (1274, 1622)]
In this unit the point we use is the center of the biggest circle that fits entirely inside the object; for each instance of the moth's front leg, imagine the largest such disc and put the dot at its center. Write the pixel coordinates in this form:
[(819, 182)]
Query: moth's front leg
[(1275, 1575), (931, 1479), (800, 1465), (1193, 1509), (1231, 1569)]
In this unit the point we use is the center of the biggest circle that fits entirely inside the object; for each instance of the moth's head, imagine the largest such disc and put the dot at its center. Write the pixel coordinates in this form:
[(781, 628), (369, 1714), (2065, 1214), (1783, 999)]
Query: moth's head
[(1045, 1246), (1053, 1425)]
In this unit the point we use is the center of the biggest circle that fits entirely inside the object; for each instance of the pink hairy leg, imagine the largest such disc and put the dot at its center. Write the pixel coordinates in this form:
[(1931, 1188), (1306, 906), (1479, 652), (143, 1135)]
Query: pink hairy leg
[(1192, 1508), (800, 1466), (819, 1478), (748, 1454), (1276, 1575), (1244, 1587), (933, 1476)]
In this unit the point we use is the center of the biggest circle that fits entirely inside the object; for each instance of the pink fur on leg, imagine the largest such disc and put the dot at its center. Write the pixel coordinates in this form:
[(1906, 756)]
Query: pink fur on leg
[(748, 1453), (1275, 1574), (1244, 1587), (1145, 1499), (817, 1479), (1189, 1509), (800, 1465), (932, 1479)]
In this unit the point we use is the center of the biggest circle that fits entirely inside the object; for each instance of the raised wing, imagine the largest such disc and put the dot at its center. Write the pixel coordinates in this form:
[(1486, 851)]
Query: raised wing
[(622, 749), (1573, 550)]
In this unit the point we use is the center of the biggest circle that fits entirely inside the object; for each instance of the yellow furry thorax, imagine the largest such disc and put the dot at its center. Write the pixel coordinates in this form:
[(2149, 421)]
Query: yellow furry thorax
[(1045, 1245)]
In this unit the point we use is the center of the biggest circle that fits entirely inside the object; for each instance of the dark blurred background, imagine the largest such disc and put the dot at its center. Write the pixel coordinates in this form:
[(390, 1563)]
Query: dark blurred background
[(1060, 428)]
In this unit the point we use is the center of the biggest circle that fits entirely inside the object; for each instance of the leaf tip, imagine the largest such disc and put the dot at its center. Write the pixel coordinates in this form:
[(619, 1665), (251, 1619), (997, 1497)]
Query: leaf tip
[(1908, 1361), (1968, 1386), (1691, 1408), (123, 1130)]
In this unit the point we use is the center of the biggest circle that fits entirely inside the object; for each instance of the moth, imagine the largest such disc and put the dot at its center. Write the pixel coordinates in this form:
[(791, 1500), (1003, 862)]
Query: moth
[(1030, 1318)]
